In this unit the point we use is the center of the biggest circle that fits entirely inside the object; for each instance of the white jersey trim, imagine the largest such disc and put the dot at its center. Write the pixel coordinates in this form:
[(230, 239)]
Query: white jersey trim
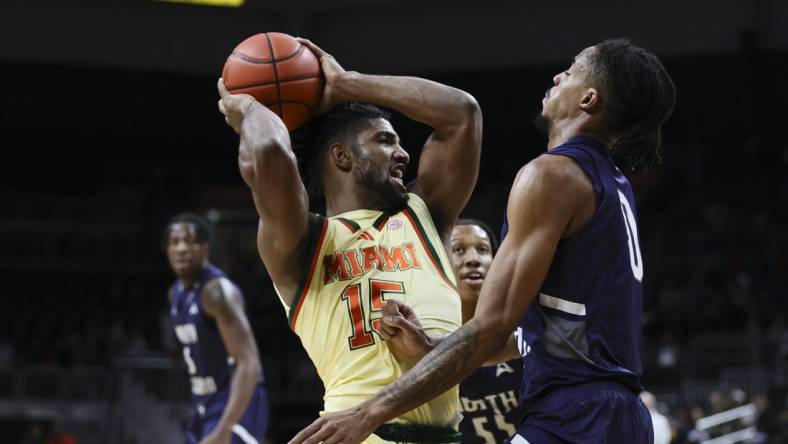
[(239, 430), (562, 304)]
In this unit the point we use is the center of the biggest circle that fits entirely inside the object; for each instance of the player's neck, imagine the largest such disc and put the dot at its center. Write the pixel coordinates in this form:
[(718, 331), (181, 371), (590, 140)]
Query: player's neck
[(188, 282), (351, 197), (562, 132), (191, 279)]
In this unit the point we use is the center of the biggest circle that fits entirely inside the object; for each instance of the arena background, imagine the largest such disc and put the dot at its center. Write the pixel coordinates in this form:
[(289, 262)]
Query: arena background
[(110, 126)]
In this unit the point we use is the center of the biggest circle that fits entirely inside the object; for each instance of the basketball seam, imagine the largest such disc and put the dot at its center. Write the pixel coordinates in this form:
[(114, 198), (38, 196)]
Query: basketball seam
[(283, 102), (276, 78), (292, 79), (273, 60)]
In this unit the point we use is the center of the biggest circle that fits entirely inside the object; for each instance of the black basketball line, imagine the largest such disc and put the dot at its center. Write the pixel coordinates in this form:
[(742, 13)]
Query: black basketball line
[(255, 85), (257, 61), (276, 78), (290, 102)]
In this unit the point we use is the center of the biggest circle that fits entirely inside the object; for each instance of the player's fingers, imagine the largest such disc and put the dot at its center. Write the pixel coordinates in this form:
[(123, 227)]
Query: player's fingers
[(384, 334), (222, 89), (325, 434), (390, 307), (408, 314), (334, 439), (392, 320), (222, 108), (312, 47), (388, 330), (305, 435)]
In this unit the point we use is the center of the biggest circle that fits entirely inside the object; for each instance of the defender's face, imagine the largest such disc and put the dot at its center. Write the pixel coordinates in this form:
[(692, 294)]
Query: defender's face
[(186, 255), (563, 99), (471, 256), (382, 162)]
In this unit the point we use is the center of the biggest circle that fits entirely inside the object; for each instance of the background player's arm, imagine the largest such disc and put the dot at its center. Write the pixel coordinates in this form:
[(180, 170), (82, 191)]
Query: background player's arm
[(268, 166), (449, 162), (543, 203), (222, 301)]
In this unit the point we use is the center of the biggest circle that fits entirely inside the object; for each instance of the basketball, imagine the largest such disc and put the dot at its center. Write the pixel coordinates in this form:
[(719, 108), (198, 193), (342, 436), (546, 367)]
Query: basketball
[(278, 71)]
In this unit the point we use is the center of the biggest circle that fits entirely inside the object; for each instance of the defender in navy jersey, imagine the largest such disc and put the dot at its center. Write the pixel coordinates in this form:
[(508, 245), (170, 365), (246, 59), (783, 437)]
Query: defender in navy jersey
[(568, 274), (230, 404)]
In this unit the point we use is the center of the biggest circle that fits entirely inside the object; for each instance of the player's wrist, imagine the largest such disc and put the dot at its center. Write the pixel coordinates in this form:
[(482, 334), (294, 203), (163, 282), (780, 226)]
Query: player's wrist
[(431, 342), (374, 414), (342, 87)]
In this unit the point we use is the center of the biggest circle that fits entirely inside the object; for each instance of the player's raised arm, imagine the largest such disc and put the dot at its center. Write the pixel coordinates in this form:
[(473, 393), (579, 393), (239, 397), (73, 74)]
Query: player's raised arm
[(449, 162), (268, 166), (222, 301)]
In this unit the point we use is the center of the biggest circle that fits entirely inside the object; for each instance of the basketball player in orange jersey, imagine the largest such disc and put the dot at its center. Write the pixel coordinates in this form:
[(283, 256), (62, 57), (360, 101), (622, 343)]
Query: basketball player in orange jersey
[(380, 239)]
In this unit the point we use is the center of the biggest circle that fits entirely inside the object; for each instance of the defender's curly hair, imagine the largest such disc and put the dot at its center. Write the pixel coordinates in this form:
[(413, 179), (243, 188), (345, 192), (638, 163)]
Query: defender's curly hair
[(640, 98)]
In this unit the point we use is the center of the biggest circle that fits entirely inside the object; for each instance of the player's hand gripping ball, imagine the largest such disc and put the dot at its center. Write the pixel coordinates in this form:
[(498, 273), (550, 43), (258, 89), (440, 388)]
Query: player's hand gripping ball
[(279, 72)]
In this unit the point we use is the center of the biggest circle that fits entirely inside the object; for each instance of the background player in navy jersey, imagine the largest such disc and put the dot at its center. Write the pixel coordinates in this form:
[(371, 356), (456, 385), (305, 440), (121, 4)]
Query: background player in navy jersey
[(229, 400), (488, 397), (571, 248)]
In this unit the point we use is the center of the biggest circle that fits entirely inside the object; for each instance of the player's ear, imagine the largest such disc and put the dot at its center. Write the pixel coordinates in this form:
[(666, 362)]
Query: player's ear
[(591, 101), (341, 156)]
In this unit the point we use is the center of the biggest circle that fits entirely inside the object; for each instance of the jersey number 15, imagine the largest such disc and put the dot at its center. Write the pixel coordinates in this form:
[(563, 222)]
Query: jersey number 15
[(352, 295)]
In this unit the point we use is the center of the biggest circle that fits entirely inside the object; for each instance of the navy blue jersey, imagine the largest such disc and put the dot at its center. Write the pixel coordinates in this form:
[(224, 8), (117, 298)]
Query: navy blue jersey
[(585, 323), (490, 408), (206, 357)]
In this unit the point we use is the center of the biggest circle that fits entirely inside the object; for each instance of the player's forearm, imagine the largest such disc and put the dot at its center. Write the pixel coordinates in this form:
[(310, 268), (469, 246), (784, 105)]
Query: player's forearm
[(508, 352), (439, 106), (242, 386), (264, 143), (451, 361)]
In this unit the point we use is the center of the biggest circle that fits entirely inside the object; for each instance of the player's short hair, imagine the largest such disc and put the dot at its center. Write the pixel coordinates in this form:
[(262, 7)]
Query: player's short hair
[(483, 226), (202, 228), (640, 96), (341, 124)]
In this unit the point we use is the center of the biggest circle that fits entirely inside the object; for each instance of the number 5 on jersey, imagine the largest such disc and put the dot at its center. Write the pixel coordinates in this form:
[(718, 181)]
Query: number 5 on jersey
[(352, 295)]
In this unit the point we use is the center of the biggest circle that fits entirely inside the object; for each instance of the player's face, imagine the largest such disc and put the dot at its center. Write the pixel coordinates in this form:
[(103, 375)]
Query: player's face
[(471, 256), (187, 256), (563, 99), (381, 163)]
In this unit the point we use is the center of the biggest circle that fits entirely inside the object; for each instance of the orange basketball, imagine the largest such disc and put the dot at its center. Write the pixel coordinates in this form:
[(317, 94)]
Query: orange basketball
[(279, 72)]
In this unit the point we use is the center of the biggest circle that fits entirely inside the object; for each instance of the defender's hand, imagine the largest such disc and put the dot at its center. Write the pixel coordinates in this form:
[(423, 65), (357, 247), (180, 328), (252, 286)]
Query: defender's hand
[(233, 106), (402, 330), (346, 427), (332, 71)]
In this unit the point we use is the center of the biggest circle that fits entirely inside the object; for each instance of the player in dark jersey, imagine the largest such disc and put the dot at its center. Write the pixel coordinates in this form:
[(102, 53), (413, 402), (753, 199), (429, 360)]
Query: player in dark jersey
[(230, 404), (571, 248), (488, 397)]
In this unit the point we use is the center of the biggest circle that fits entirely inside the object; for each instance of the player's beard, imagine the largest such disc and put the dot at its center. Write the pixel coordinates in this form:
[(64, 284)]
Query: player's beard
[(378, 183)]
